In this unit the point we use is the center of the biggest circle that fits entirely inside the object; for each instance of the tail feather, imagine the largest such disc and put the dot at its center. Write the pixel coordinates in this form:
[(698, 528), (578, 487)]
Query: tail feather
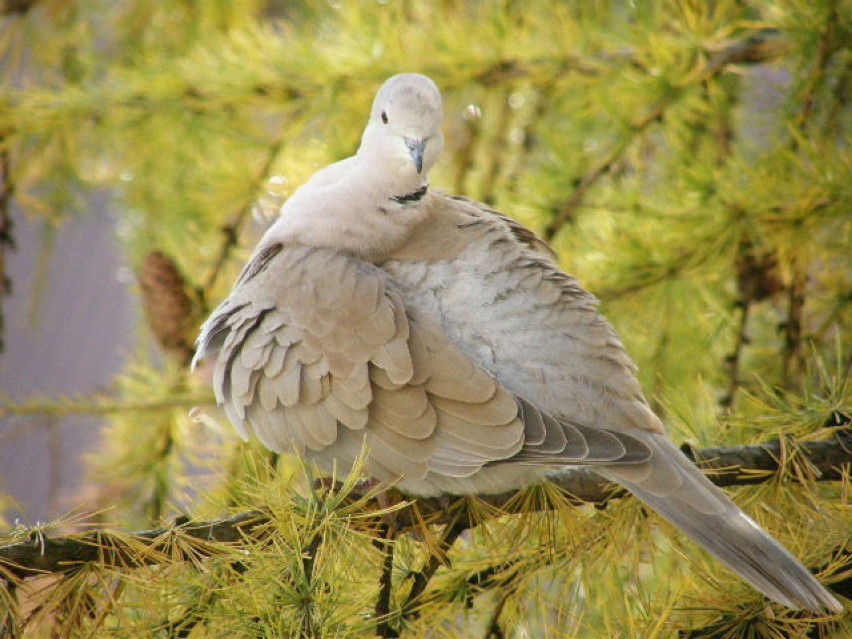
[(702, 511)]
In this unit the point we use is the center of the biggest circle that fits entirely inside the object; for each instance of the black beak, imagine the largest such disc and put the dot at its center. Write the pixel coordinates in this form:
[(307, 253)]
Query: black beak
[(416, 149)]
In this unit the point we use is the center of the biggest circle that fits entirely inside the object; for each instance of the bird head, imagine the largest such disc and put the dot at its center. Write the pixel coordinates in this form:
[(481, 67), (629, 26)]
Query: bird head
[(404, 130)]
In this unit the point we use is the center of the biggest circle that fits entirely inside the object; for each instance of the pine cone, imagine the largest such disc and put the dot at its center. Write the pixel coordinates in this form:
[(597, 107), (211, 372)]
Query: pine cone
[(168, 307)]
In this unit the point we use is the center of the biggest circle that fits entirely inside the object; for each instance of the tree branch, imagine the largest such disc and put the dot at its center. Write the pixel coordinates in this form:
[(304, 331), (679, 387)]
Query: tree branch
[(383, 601), (726, 466), (40, 554), (421, 579), (231, 230), (762, 46)]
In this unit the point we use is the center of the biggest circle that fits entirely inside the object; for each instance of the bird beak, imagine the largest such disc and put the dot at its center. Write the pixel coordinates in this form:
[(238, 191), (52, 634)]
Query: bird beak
[(416, 149)]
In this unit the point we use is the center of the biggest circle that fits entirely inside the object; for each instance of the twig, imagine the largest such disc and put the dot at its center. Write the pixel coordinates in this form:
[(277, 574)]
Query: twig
[(96, 404), (422, 578), (732, 361), (383, 629), (727, 466), (308, 559), (494, 630), (827, 47), (757, 279), (231, 230), (565, 212), (793, 335), (41, 555)]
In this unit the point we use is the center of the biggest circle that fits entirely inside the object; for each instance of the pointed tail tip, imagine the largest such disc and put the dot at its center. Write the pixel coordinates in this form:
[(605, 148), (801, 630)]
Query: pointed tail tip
[(820, 601), (817, 600), (833, 605)]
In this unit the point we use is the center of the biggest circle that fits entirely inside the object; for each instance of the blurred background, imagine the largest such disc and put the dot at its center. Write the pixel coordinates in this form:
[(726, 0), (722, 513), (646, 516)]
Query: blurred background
[(69, 324), (689, 161)]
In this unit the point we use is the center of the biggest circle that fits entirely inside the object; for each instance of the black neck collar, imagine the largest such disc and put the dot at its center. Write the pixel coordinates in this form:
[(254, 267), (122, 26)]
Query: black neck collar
[(408, 198)]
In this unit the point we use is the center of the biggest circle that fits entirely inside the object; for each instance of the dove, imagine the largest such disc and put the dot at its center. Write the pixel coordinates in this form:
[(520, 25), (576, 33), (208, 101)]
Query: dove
[(443, 337)]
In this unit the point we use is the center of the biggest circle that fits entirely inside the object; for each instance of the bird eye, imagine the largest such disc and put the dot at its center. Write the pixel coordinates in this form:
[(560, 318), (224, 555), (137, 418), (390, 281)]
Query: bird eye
[(384, 117)]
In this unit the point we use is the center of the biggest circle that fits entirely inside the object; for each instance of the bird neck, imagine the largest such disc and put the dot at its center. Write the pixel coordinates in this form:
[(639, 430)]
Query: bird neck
[(360, 210)]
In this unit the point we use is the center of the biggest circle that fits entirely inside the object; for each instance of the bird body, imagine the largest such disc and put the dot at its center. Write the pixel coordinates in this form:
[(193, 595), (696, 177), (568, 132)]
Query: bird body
[(444, 337)]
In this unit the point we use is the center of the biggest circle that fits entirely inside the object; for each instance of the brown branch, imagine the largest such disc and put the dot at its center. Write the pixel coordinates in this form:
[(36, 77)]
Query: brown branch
[(757, 279), (791, 354), (383, 601), (827, 46), (566, 211), (40, 554), (764, 45), (726, 466), (308, 562), (732, 360), (422, 578), (796, 295)]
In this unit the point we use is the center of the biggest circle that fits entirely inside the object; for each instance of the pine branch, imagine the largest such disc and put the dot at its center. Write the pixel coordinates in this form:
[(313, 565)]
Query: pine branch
[(763, 46), (308, 557), (231, 230), (828, 44), (757, 279), (729, 466), (794, 336), (96, 404), (41, 555)]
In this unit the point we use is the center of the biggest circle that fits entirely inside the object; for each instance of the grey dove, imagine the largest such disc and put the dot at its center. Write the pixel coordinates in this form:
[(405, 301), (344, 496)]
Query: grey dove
[(444, 337)]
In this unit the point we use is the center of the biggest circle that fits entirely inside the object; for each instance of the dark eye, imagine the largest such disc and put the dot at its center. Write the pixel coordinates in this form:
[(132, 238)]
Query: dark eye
[(384, 117)]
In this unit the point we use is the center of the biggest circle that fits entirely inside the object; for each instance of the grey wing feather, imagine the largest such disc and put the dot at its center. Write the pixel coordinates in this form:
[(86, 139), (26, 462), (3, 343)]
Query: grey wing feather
[(313, 347), (556, 441)]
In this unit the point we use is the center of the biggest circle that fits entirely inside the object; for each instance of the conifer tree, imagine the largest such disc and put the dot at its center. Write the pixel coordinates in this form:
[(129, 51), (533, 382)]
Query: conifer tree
[(689, 162)]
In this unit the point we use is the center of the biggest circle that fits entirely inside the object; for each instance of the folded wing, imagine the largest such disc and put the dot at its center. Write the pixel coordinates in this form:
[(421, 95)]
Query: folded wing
[(316, 354)]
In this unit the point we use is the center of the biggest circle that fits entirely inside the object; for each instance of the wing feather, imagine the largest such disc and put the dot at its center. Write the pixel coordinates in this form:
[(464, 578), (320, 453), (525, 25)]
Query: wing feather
[(313, 345), (300, 364)]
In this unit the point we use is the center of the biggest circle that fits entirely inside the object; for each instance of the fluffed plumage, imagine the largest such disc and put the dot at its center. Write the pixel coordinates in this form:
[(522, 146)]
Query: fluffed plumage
[(445, 337)]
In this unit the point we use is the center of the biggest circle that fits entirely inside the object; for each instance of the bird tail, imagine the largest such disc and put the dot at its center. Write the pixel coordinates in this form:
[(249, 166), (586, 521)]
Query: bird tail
[(673, 486)]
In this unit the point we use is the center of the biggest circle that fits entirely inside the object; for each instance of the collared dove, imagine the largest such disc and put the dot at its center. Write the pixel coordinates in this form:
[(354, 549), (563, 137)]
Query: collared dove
[(444, 336)]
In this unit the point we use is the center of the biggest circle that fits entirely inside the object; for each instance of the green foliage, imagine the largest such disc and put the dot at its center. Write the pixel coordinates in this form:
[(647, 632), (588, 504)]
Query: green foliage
[(688, 160)]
